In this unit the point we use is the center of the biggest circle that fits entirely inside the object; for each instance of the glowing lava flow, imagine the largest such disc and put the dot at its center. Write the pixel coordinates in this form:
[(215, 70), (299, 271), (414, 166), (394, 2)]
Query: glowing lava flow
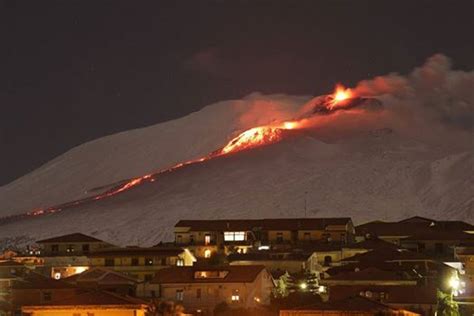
[(251, 138)]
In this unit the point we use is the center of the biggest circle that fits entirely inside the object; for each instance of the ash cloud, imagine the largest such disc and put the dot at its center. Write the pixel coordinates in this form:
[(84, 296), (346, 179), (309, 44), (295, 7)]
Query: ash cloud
[(434, 91)]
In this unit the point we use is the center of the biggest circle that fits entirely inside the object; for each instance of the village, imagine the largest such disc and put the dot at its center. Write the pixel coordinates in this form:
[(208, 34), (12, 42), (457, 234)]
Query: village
[(288, 266)]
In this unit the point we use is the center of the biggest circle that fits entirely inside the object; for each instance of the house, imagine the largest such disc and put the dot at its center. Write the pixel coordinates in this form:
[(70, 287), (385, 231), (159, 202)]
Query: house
[(35, 288), (371, 276), (76, 244), (394, 232), (66, 255), (436, 243), (201, 289), (350, 306), (293, 262), (420, 298), (141, 263), (104, 279), (206, 237), (97, 303)]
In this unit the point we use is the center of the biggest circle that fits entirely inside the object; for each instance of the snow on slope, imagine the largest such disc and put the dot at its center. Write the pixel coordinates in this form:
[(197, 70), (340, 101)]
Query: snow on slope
[(137, 152), (361, 170)]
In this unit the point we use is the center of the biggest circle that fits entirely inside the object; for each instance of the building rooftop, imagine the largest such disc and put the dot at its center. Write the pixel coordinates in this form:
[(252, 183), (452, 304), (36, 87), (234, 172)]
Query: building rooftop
[(100, 275), (269, 256), (136, 251), (231, 274), (353, 304), (71, 238), (411, 226), (387, 254), (263, 224), (34, 280), (372, 274), (394, 294), (102, 299)]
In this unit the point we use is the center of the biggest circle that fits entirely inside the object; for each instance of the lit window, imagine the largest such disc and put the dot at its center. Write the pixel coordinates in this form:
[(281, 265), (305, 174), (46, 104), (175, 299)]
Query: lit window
[(207, 253), (179, 295), (207, 239), (180, 262), (235, 296), (234, 236)]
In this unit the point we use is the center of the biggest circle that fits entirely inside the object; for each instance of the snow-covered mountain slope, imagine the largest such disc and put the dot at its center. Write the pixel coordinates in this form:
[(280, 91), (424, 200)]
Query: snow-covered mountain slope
[(137, 152), (350, 164)]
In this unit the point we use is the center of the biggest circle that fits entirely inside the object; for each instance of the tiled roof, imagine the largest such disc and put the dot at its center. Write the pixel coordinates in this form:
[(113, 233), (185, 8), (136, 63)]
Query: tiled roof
[(97, 298), (76, 237), (387, 254), (394, 294), (236, 274), (372, 274), (434, 234), (411, 226), (10, 263), (37, 281), (268, 256), (100, 275), (354, 304), (264, 224), (137, 251)]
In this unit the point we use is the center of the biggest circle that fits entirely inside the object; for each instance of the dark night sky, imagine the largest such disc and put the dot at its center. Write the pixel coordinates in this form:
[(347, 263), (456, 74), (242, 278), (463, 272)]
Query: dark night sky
[(72, 71)]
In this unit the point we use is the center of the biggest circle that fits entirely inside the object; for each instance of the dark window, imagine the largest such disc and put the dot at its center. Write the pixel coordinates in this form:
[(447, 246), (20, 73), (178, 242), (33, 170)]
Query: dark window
[(439, 248), (191, 239), (327, 261), (307, 236), (279, 238), (198, 293), (135, 262), (153, 293), (54, 248), (148, 261), (46, 296), (109, 262), (179, 239), (70, 248), (421, 247), (163, 261), (148, 277), (85, 248), (179, 295)]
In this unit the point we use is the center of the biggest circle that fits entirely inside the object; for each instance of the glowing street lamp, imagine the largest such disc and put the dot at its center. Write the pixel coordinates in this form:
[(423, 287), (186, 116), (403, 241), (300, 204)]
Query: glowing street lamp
[(303, 286)]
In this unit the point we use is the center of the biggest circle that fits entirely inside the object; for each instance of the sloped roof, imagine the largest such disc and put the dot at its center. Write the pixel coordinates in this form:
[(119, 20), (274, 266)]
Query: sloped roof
[(137, 251), (97, 298), (355, 303), (76, 237), (236, 274), (10, 263), (264, 224), (34, 280), (370, 244), (102, 276), (387, 254), (268, 256), (434, 234), (372, 274), (394, 294), (411, 226)]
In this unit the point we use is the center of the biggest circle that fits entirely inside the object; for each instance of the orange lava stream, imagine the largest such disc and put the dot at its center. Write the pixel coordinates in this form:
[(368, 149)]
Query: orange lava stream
[(251, 138)]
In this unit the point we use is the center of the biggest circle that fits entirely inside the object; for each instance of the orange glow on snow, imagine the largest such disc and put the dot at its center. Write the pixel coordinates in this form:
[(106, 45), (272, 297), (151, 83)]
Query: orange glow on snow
[(251, 138)]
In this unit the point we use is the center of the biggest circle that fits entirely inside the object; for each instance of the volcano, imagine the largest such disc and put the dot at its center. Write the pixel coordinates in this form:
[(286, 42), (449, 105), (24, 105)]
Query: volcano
[(263, 156)]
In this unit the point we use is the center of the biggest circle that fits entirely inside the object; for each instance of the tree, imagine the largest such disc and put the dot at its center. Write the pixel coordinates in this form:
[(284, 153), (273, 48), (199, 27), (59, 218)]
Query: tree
[(283, 285), (446, 305), (164, 308)]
